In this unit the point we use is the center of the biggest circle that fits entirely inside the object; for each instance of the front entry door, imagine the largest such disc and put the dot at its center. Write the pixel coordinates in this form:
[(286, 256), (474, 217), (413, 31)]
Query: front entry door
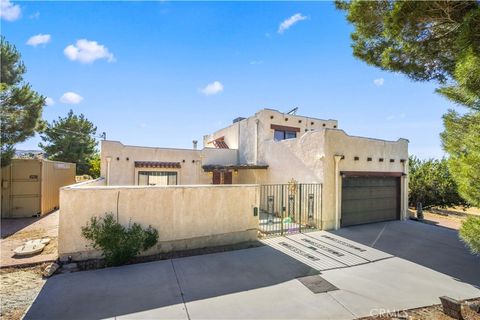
[(222, 177)]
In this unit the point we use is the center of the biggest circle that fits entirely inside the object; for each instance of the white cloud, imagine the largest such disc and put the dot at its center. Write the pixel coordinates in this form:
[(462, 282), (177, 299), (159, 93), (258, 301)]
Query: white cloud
[(49, 101), (35, 15), (212, 88), (379, 82), (9, 11), (86, 51), (39, 39), (71, 98), (286, 24)]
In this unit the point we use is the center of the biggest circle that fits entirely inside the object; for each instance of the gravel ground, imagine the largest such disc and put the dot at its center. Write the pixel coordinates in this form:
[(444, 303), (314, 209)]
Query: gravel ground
[(18, 290), (434, 312)]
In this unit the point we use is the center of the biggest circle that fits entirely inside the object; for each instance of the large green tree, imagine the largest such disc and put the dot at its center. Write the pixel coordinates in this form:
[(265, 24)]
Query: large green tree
[(430, 41), (21, 107), (70, 139), (461, 139), (432, 184)]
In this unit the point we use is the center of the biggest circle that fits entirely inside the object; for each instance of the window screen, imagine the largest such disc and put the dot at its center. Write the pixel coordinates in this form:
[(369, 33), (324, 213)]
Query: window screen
[(152, 178)]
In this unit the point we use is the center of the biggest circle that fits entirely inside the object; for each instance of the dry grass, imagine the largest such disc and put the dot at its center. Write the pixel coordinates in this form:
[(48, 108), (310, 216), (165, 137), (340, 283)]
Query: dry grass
[(51, 247), (18, 290), (28, 235)]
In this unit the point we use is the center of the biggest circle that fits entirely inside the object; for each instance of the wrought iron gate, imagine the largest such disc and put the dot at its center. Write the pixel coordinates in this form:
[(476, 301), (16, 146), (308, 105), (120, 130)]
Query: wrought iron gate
[(290, 208)]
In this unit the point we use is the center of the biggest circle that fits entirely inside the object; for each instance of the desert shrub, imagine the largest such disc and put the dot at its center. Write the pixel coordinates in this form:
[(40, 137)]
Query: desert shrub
[(118, 243), (432, 184), (470, 233)]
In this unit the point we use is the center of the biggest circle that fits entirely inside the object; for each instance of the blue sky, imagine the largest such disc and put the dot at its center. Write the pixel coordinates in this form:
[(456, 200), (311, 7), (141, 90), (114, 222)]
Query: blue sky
[(141, 70)]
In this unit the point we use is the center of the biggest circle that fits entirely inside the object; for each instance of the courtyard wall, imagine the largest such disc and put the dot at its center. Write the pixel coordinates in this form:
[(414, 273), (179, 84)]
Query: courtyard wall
[(186, 217)]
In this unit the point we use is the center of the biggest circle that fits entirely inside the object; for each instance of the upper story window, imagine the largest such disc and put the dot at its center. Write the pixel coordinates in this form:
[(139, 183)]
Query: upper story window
[(284, 132), (282, 135)]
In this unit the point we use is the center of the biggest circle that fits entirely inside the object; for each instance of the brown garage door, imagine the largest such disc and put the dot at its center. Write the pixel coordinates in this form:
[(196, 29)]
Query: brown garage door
[(367, 199)]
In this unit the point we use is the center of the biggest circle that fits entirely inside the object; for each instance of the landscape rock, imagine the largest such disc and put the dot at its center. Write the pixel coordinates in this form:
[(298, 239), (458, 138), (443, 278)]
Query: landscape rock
[(50, 270)]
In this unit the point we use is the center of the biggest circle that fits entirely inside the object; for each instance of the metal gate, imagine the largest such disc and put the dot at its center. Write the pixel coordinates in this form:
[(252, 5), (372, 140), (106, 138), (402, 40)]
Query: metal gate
[(290, 208)]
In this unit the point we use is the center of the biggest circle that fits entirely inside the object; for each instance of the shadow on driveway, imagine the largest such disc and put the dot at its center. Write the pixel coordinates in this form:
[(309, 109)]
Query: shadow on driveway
[(433, 247), (130, 289)]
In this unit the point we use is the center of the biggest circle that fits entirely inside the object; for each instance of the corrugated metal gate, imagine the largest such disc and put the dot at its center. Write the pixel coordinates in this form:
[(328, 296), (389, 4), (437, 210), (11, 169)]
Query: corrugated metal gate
[(290, 208)]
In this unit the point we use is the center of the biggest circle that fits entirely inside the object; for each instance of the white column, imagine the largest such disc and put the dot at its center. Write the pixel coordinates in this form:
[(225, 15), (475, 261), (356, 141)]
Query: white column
[(337, 191), (256, 140), (109, 159), (405, 190)]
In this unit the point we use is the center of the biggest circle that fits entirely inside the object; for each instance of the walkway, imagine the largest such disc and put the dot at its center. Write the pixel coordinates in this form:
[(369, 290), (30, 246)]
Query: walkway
[(260, 283)]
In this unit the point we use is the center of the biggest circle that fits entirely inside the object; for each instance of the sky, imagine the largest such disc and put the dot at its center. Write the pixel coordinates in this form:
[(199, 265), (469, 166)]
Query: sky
[(166, 73)]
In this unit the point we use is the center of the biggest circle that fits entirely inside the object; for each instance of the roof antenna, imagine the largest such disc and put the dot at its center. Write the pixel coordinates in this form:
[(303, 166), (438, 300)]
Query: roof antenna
[(293, 111)]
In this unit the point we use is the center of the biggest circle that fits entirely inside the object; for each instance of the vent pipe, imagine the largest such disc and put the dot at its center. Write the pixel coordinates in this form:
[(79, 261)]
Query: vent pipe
[(195, 142)]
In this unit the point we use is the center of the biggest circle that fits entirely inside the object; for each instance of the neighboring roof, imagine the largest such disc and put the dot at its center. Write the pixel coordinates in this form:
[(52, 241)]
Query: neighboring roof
[(157, 164), (220, 143), (213, 167), (30, 154)]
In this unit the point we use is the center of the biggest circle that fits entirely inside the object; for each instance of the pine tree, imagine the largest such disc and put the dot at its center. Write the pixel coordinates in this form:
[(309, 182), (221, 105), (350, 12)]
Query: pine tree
[(21, 107), (70, 139)]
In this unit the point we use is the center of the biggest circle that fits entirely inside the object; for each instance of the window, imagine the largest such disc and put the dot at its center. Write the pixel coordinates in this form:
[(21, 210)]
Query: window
[(152, 178), (282, 135), (284, 132)]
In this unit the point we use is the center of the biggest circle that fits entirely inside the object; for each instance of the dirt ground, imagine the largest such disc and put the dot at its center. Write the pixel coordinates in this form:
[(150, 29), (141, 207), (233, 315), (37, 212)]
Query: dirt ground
[(16, 231), (18, 290), (451, 218), (434, 312)]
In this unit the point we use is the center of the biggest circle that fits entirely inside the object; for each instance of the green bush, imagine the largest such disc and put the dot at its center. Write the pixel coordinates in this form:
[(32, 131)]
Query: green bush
[(470, 233), (118, 243), (432, 184)]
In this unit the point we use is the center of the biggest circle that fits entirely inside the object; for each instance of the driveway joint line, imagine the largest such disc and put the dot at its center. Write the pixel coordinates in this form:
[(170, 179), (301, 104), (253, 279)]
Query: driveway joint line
[(344, 306), (379, 235), (180, 288)]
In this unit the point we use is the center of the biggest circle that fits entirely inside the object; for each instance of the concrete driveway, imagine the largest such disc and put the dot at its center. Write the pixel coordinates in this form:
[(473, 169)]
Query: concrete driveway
[(261, 283), (433, 247)]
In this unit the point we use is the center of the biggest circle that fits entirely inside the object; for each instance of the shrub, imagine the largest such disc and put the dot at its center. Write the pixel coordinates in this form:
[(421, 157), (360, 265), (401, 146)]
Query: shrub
[(118, 243), (432, 184), (470, 233)]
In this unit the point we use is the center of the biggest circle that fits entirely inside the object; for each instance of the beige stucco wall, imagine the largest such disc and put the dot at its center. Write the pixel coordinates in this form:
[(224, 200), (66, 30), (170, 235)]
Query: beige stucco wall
[(255, 131), (230, 135), (186, 217), (337, 142), (299, 158), (310, 159), (123, 171), (219, 156)]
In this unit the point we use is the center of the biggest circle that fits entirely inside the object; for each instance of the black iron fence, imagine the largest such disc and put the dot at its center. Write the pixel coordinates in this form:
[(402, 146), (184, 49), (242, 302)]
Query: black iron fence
[(290, 208)]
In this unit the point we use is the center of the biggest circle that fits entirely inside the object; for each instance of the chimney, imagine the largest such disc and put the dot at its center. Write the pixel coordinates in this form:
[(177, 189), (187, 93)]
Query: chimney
[(194, 144)]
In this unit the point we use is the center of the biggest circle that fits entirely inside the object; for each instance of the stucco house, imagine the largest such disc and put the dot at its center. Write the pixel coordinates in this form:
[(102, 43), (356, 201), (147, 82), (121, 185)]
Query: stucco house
[(362, 179)]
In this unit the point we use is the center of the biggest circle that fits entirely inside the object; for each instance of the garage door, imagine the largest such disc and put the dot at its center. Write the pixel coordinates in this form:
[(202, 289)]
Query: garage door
[(367, 199)]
